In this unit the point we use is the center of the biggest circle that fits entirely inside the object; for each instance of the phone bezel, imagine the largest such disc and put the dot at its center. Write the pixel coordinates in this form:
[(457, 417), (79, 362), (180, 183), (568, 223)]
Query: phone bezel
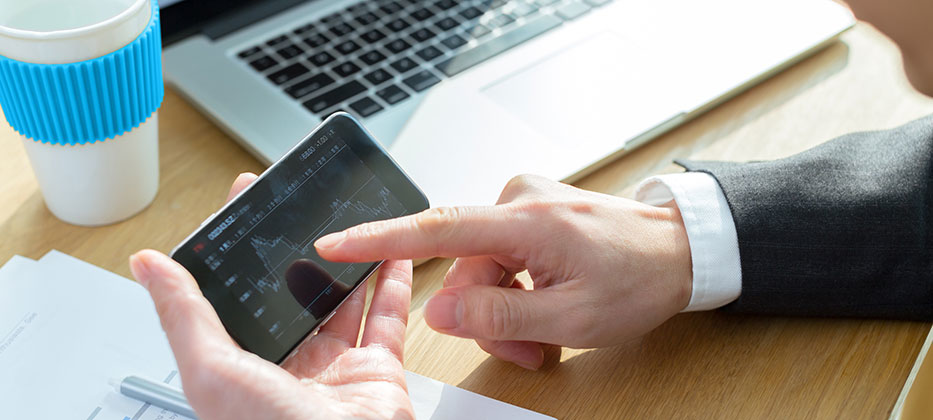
[(375, 157)]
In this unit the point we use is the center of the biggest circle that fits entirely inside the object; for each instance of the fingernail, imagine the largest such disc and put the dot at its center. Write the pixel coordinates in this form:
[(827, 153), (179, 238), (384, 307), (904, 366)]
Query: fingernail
[(532, 360), (527, 365), (331, 240), (140, 270), (444, 311)]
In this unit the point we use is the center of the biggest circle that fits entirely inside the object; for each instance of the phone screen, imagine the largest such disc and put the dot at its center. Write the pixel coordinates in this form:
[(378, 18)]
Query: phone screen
[(255, 259)]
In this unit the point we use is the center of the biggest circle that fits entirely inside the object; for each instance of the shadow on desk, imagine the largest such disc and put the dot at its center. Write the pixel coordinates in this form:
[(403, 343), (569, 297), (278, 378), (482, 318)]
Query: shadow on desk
[(785, 365)]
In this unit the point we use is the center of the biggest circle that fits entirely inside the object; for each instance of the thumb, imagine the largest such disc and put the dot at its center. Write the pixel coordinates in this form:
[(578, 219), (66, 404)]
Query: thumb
[(221, 381), (190, 323), (498, 313)]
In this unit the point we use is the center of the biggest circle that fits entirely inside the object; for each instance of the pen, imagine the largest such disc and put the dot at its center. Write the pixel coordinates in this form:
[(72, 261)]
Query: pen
[(157, 394)]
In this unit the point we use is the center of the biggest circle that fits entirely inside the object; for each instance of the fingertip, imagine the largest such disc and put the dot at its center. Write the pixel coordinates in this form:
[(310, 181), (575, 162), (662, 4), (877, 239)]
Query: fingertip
[(244, 179), (240, 183), (330, 241), (525, 354), (144, 265), (139, 270), (531, 358), (444, 311)]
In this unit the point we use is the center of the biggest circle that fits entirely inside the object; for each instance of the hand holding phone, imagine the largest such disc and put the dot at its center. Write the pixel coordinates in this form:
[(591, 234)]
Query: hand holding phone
[(254, 260), (328, 377)]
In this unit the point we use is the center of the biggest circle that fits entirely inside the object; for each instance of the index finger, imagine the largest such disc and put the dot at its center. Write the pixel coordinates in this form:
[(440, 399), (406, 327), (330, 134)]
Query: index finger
[(438, 232)]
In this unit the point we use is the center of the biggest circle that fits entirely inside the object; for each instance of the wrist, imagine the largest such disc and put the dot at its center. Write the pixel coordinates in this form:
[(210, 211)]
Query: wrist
[(680, 273)]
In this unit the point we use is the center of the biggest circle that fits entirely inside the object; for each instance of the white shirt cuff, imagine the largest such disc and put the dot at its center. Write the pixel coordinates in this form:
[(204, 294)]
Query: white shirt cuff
[(714, 246)]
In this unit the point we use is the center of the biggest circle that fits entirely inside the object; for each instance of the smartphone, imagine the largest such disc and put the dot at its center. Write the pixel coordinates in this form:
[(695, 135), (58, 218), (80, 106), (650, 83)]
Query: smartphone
[(254, 259)]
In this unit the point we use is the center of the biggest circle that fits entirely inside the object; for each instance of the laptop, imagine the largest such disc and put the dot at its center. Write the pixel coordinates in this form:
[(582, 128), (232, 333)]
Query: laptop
[(466, 94)]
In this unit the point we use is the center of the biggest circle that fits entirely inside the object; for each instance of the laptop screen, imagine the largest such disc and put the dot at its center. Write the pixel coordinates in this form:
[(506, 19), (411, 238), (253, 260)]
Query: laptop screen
[(214, 18)]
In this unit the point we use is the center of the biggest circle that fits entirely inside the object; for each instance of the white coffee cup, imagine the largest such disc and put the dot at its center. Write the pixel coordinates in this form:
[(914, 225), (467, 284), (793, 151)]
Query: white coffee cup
[(107, 180)]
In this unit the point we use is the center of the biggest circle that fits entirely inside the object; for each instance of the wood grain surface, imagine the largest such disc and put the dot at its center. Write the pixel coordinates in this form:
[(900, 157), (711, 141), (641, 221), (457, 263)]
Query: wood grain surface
[(700, 365)]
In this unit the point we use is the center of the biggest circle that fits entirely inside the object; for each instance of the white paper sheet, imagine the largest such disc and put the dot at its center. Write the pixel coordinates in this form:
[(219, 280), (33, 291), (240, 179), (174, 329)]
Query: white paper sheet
[(435, 400), (77, 327), (68, 329)]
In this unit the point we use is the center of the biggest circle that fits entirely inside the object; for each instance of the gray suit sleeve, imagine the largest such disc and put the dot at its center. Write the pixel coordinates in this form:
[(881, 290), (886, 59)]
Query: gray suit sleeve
[(843, 229)]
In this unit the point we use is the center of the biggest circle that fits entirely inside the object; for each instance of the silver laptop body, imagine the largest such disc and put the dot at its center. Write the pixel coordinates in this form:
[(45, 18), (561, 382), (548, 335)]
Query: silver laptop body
[(551, 87)]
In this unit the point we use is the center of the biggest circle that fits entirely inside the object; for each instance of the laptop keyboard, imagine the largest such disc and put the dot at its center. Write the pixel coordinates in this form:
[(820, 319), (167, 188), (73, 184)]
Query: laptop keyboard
[(378, 53)]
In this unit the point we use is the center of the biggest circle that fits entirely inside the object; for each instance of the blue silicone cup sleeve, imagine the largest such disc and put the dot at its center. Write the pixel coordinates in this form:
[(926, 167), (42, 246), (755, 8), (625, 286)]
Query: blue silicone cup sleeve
[(86, 101)]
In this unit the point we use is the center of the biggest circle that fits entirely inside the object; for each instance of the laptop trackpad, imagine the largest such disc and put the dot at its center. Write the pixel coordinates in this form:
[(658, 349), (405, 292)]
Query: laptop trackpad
[(596, 91)]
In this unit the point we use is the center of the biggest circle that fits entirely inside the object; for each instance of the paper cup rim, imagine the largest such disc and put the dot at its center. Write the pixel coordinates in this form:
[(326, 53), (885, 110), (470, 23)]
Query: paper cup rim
[(24, 34)]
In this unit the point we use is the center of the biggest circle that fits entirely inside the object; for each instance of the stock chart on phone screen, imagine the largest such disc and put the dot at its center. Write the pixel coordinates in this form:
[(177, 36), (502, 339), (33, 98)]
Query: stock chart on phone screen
[(261, 251)]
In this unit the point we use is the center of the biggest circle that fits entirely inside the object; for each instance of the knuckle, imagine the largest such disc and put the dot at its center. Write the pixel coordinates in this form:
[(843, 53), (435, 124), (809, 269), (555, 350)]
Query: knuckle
[(521, 183), (397, 275), (365, 230), (500, 318), (437, 223)]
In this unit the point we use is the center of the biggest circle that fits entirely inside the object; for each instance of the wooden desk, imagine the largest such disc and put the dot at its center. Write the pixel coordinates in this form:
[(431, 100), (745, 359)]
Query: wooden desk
[(702, 365)]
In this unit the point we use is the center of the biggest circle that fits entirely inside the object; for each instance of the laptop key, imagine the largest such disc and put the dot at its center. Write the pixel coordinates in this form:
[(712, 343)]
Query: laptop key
[(397, 46), (277, 40), (392, 94), (288, 73), (494, 46), (522, 10), (445, 4), (501, 20), (447, 24), (331, 18), (390, 7), (263, 63), (366, 107), (334, 96), (367, 18), (422, 15), (423, 34), (289, 51), (373, 36), (303, 28), (321, 58), (248, 52), (346, 69), (597, 3), (347, 47), (479, 31), (429, 53), (572, 10), (359, 7), (378, 77), (372, 57), (309, 85), (341, 29), (397, 25), (471, 13), (454, 41), (404, 65), (421, 80), (315, 40)]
